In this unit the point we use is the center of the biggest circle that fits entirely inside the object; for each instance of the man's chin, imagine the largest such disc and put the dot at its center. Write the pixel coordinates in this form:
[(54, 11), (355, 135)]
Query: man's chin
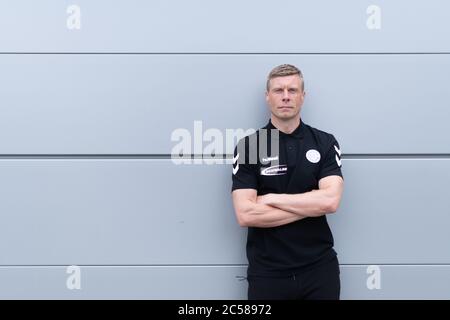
[(285, 117)]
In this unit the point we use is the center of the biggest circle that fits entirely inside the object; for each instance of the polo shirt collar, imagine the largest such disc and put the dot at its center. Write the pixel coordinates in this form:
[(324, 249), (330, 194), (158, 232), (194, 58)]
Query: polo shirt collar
[(299, 132)]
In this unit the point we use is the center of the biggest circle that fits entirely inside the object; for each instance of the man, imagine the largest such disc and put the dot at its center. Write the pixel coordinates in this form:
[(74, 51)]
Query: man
[(284, 195)]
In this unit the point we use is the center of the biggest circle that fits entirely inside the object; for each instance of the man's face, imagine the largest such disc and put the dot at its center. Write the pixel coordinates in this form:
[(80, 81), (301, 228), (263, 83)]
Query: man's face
[(285, 97)]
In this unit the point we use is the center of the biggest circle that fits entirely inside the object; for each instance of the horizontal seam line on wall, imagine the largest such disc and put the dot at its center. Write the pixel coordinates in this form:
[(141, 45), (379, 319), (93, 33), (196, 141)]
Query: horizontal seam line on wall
[(223, 53), (206, 265), (218, 157)]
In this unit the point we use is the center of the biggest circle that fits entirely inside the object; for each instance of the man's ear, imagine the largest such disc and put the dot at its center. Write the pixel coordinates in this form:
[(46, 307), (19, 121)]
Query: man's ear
[(267, 96)]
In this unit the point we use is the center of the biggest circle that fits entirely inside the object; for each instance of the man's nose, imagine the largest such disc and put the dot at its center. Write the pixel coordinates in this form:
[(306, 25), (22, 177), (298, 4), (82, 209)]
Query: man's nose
[(285, 95)]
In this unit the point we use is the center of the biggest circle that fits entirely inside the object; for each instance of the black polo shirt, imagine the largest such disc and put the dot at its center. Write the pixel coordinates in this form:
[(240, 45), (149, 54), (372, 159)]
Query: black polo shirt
[(296, 165)]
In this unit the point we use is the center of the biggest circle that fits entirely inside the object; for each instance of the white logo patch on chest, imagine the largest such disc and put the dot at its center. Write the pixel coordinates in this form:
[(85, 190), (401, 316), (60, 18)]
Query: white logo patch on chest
[(268, 159), (274, 170), (313, 156)]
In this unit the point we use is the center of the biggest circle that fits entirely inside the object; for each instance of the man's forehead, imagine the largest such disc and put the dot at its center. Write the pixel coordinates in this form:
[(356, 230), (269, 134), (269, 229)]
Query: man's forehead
[(291, 81)]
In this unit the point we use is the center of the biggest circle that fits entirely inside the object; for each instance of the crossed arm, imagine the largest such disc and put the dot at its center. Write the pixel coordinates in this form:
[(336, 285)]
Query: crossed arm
[(272, 210)]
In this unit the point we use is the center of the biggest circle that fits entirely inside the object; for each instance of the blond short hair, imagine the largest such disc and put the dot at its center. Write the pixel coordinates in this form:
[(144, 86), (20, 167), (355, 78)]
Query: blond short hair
[(284, 70)]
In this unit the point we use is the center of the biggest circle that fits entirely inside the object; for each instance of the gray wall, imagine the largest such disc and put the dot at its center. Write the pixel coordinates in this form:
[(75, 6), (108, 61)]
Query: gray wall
[(87, 115)]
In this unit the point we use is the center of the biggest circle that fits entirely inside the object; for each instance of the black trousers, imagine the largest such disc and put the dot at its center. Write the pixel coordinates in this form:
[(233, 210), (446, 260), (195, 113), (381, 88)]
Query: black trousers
[(319, 283)]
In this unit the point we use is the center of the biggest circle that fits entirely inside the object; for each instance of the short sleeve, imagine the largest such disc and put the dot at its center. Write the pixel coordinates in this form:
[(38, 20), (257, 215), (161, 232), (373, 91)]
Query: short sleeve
[(244, 173), (331, 163)]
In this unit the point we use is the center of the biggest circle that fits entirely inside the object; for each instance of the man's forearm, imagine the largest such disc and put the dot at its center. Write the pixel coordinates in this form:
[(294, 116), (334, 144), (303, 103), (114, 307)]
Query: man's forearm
[(310, 204), (265, 216)]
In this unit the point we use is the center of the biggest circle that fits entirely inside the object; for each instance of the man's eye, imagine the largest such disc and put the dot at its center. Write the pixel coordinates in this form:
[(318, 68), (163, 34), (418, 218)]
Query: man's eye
[(293, 90)]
